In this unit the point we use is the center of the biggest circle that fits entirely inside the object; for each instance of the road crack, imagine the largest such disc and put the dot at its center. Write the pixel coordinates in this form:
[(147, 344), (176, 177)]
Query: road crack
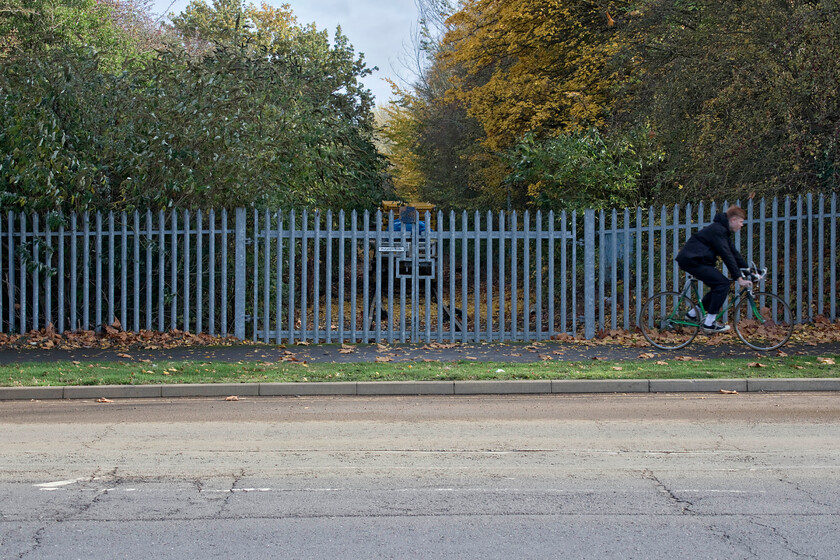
[(36, 538), (781, 539), (806, 493), (109, 430), (684, 505), (231, 491)]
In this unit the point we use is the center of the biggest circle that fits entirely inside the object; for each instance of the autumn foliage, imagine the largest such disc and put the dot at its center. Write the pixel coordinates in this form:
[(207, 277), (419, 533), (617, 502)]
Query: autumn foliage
[(690, 100)]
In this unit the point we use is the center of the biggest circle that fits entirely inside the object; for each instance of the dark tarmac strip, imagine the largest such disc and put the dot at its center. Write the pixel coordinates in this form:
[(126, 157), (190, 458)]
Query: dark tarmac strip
[(482, 352)]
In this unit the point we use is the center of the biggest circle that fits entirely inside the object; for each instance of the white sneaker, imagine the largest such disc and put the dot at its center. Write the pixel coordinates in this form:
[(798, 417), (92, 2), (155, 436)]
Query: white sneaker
[(715, 328)]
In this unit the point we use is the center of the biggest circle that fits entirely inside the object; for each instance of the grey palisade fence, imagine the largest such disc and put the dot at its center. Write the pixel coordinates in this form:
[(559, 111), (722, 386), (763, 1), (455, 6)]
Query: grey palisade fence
[(332, 277)]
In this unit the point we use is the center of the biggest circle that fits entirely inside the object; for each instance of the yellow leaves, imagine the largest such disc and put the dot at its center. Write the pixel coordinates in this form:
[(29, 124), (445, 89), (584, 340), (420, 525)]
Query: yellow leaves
[(521, 59)]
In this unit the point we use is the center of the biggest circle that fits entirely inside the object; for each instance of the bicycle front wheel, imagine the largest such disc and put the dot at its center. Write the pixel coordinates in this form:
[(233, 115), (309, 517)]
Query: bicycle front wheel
[(664, 321), (763, 321)]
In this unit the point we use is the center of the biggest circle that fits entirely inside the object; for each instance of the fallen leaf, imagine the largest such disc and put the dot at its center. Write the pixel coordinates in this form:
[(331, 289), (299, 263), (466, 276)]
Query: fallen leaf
[(438, 345), (647, 355), (618, 368), (827, 361), (127, 356), (756, 364), (545, 357), (728, 392), (232, 398), (661, 363), (384, 359), (798, 367), (103, 400)]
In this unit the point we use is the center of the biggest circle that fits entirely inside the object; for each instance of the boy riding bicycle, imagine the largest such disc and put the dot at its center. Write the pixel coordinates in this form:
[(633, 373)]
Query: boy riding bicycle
[(699, 255)]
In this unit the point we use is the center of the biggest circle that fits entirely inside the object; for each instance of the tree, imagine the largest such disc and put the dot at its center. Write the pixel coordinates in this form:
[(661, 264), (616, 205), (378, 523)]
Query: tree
[(741, 97), (60, 68), (517, 68), (227, 22), (581, 170), (430, 138), (271, 116), (531, 66), (116, 30)]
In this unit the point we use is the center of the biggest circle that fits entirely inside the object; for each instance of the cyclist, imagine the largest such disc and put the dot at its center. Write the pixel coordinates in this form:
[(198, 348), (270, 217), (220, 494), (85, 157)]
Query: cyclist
[(699, 255)]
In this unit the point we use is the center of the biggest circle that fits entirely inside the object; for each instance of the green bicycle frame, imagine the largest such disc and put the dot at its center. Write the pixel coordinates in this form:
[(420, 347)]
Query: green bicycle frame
[(692, 288)]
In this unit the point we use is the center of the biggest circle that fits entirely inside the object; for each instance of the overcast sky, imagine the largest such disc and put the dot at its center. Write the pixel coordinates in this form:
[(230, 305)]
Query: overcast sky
[(380, 29)]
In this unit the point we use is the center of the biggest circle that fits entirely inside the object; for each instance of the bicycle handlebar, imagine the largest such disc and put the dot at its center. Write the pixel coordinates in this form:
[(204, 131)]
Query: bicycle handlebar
[(753, 274)]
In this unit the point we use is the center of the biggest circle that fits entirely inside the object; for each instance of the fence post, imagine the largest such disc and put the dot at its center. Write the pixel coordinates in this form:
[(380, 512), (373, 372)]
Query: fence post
[(589, 273), (239, 276)]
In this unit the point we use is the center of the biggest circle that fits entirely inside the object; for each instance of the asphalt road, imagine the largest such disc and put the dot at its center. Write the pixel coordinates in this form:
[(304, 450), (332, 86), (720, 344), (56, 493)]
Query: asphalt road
[(587, 476)]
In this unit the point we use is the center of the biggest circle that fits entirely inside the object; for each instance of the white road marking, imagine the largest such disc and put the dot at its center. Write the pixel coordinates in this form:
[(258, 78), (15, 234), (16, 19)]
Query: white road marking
[(57, 483)]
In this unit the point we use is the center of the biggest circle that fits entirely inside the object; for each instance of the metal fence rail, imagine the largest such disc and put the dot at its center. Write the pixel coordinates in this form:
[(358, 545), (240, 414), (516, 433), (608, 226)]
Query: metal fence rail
[(371, 277)]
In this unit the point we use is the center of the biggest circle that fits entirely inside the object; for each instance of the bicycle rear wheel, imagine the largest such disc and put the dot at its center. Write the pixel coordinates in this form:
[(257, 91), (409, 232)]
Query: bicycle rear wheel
[(664, 322), (763, 322)]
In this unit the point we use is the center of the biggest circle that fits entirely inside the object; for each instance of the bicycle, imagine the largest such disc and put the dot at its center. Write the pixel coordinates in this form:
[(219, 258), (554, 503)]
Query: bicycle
[(763, 321)]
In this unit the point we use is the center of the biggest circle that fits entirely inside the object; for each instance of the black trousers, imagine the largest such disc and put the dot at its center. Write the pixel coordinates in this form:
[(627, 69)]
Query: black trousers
[(713, 278)]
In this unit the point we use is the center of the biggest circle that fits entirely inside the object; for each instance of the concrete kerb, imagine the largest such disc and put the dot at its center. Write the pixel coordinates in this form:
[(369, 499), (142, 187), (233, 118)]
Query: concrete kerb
[(388, 388), (307, 389), (406, 388), (518, 387), (30, 393), (112, 391), (600, 386), (697, 385), (813, 384), (211, 390)]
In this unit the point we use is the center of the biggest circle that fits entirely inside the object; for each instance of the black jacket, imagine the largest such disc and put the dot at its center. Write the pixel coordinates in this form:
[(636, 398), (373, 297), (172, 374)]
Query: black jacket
[(711, 242)]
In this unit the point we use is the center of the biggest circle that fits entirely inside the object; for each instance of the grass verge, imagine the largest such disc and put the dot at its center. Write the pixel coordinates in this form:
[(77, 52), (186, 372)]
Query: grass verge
[(144, 373)]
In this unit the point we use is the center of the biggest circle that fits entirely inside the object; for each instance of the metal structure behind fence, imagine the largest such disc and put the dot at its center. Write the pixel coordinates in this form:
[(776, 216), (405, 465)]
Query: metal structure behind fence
[(334, 277)]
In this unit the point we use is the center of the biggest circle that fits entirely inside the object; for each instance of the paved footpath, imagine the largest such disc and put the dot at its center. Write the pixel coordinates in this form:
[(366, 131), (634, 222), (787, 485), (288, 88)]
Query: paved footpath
[(484, 352), (496, 352)]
